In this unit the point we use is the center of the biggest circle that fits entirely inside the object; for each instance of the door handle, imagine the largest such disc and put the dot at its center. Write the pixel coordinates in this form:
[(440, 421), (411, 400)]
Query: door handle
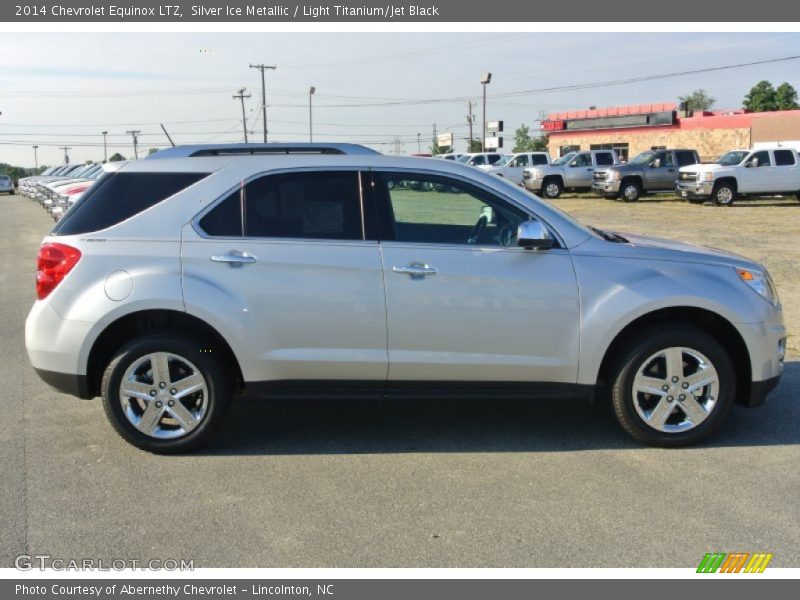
[(234, 258), (671, 170), (416, 270)]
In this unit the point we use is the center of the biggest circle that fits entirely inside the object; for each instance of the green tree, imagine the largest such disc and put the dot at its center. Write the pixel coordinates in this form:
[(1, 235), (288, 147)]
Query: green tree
[(474, 146), (525, 142), (761, 97), (115, 157), (698, 100), (786, 97), (152, 151)]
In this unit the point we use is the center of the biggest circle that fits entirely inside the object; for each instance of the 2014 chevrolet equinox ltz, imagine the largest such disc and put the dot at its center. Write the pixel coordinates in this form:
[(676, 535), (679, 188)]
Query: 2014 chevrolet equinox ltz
[(175, 283)]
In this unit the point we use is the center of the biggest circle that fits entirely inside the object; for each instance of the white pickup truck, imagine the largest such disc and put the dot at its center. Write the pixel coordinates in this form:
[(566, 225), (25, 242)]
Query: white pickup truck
[(761, 172)]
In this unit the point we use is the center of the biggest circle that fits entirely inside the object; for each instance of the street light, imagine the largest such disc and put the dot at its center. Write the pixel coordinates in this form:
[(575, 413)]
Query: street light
[(105, 148), (311, 92), (35, 158), (486, 78)]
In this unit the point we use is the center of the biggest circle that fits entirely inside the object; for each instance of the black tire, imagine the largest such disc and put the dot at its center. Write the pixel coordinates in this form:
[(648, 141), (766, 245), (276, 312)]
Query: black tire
[(218, 386), (552, 188), (630, 190), (633, 356), (695, 200), (724, 194)]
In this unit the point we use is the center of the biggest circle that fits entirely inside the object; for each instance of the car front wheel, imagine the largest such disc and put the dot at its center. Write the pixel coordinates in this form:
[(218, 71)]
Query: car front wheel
[(630, 191), (724, 194), (552, 188), (163, 394), (672, 387)]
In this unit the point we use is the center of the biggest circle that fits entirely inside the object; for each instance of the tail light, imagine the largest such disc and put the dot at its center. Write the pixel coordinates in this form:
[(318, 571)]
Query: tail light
[(53, 263)]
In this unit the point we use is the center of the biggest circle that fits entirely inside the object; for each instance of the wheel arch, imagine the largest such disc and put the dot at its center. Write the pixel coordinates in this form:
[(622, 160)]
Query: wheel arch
[(728, 179), (134, 324), (713, 324)]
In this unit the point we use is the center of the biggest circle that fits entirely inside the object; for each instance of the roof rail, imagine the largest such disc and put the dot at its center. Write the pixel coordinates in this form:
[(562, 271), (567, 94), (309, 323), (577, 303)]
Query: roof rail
[(260, 149)]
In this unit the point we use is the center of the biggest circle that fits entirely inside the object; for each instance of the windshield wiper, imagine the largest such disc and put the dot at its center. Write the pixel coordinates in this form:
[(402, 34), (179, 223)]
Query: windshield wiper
[(609, 237)]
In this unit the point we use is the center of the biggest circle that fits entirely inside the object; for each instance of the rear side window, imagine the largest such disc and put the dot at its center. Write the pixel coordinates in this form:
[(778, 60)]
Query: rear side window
[(539, 159), (604, 159), (784, 158), (119, 196), (322, 205), (686, 158)]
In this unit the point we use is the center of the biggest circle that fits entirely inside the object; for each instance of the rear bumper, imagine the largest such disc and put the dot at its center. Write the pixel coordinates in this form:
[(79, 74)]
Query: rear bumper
[(66, 383)]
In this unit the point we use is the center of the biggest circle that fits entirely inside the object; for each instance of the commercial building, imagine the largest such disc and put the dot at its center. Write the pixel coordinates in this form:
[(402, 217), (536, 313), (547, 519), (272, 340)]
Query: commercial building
[(632, 129)]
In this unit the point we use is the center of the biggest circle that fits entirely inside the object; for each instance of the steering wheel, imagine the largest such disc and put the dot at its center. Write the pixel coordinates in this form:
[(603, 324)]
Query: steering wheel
[(477, 230), (507, 235)]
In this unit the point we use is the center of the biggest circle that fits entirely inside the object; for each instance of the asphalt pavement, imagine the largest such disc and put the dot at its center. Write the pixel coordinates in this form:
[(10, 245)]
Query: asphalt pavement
[(392, 484)]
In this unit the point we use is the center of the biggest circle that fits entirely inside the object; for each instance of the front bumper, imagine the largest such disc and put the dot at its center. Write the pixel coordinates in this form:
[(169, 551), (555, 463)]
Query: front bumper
[(766, 344), (606, 188), (694, 189), (532, 185)]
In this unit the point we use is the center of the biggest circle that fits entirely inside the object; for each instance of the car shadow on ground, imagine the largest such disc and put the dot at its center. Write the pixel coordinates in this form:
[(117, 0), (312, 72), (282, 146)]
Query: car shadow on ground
[(295, 427)]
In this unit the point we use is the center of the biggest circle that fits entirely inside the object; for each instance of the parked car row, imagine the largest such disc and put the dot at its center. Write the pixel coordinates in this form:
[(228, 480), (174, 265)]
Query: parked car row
[(58, 188), (739, 173)]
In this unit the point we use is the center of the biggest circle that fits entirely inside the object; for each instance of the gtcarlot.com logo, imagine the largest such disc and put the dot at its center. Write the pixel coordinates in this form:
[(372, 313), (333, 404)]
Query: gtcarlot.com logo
[(735, 562), (29, 562)]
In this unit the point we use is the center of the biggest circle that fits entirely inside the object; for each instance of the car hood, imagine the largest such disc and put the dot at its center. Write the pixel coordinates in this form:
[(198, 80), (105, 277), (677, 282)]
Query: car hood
[(663, 249), (703, 168)]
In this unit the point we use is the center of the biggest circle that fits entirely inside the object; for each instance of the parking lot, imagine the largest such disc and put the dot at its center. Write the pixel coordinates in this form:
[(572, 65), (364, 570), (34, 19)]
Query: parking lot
[(408, 484)]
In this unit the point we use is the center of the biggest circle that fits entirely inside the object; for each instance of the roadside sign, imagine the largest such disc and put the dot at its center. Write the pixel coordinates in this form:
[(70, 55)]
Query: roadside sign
[(444, 139), (494, 143), (494, 126)]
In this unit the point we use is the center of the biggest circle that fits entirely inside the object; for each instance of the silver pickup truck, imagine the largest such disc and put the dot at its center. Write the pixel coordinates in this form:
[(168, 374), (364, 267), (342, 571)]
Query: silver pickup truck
[(649, 171), (572, 172)]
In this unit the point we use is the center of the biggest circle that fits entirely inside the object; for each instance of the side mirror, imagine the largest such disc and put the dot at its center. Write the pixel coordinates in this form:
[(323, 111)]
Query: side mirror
[(574, 163), (532, 235)]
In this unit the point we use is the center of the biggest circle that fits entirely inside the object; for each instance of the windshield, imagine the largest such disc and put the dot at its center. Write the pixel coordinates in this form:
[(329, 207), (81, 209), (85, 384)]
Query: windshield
[(732, 158), (565, 159), (503, 161), (642, 158)]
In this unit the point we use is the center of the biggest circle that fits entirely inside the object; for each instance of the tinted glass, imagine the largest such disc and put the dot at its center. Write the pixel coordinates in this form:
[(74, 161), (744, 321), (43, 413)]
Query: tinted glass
[(604, 159), (324, 205), (225, 219), (685, 158), (520, 161), (438, 210), (583, 160), (760, 159), (119, 196), (784, 158), (538, 159)]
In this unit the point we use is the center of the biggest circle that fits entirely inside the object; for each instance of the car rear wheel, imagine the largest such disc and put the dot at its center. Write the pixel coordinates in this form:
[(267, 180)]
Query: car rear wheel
[(164, 395), (552, 188), (672, 387), (724, 194), (630, 191)]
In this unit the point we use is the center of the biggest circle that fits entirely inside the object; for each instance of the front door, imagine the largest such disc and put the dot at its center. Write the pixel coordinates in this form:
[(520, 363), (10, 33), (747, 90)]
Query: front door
[(759, 174), (464, 303), (660, 172), (579, 171)]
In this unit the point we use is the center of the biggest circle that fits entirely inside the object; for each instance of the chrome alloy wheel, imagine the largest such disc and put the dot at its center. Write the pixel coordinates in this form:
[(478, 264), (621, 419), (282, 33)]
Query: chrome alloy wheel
[(551, 189), (163, 395), (675, 389), (631, 192), (724, 195)]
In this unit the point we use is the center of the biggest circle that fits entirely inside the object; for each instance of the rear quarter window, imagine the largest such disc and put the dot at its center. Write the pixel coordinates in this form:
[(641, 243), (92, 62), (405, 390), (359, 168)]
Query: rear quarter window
[(117, 197)]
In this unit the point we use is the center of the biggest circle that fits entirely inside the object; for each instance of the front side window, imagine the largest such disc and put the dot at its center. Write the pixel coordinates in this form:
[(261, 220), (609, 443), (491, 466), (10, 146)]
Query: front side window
[(478, 160), (582, 160), (784, 158), (520, 161), (316, 205), (432, 209), (760, 159)]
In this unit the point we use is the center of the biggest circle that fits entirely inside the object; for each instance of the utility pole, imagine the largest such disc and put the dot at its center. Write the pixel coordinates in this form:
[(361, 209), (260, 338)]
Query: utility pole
[(35, 158), (134, 133), (419, 143), (241, 96), (486, 78), (434, 145), (470, 121), (66, 149), (105, 147), (263, 68), (311, 91), (166, 133)]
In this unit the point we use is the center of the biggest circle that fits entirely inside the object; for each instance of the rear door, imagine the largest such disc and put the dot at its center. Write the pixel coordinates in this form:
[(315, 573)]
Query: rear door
[(287, 267), (787, 176)]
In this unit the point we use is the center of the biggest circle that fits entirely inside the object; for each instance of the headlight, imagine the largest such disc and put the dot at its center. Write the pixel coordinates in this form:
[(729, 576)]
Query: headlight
[(761, 283), (708, 177), (612, 175)]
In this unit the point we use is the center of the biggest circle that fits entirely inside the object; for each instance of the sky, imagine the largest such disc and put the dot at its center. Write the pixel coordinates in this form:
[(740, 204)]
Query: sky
[(386, 90)]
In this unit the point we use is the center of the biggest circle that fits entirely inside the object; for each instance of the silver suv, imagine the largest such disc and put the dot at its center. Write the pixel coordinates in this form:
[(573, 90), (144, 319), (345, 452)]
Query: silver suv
[(174, 285)]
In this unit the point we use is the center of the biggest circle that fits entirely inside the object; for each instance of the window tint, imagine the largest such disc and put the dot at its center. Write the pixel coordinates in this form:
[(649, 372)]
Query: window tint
[(478, 160), (493, 158), (685, 158), (438, 210), (538, 159), (119, 196), (225, 219), (520, 161), (784, 158), (604, 159), (760, 159)]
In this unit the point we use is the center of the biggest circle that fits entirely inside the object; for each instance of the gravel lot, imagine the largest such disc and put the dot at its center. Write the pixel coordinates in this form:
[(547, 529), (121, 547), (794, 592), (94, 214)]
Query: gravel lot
[(411, 484)]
